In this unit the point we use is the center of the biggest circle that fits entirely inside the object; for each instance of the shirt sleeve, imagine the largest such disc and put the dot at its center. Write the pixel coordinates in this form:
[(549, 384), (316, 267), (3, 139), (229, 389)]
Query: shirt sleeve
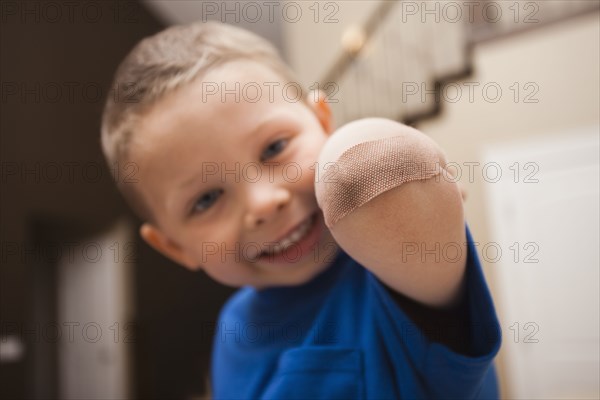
[(473, 371), (446, 372)]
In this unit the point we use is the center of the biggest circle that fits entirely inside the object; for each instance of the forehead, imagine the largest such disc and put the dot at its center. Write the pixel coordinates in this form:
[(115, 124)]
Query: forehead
[(220, 106)]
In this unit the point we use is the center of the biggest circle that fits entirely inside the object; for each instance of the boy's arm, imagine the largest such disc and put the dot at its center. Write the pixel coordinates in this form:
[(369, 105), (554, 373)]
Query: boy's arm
[(405, 225)]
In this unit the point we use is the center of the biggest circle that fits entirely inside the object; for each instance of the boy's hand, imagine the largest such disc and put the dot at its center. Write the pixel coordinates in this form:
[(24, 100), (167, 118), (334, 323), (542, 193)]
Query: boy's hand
[(390, 207)]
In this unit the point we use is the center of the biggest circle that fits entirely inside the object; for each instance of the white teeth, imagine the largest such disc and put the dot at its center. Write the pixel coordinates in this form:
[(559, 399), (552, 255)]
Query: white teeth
[(292, 238)]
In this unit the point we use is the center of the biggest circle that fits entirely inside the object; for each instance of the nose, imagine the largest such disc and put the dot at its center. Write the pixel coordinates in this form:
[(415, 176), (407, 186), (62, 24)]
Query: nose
[(264, 203)]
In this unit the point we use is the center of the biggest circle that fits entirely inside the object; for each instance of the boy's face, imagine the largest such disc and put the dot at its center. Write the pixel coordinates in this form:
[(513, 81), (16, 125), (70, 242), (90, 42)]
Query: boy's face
[(226, 180)]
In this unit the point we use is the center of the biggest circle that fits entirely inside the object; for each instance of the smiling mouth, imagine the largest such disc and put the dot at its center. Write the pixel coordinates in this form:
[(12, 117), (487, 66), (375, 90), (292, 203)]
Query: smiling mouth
[(293, 238)]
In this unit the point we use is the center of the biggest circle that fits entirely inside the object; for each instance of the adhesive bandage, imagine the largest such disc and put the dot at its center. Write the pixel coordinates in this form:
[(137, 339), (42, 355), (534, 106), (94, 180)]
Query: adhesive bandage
[(370, 168)]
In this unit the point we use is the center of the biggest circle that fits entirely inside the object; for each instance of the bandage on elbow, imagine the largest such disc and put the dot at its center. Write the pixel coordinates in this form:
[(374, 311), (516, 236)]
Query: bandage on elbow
[(370, 168)]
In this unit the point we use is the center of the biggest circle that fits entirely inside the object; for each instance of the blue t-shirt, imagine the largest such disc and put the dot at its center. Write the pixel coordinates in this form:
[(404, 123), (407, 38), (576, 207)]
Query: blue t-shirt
[(342, 335)]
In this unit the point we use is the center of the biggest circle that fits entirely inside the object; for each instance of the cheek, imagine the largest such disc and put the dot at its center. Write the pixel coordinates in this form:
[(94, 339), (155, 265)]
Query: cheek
[(307, 159), (305, 181), (229, 267), (208, 249)]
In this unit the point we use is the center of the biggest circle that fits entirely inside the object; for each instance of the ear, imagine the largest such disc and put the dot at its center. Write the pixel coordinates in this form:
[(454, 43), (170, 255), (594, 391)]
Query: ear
[(161, 243), (318, 102)]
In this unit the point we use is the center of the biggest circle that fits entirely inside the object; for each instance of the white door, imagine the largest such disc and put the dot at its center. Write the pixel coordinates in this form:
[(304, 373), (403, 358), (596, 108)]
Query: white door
[(544, 215), (94, 306)]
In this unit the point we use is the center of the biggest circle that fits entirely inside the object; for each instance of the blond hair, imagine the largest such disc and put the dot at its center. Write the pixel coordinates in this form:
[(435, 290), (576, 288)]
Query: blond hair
[(160, 64)]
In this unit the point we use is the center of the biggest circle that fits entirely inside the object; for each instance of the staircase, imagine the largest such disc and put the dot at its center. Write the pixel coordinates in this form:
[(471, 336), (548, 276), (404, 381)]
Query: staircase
[(395, 65)]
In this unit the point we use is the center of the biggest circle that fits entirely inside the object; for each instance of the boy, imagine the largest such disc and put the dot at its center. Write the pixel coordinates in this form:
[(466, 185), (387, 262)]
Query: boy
[(338, 298)]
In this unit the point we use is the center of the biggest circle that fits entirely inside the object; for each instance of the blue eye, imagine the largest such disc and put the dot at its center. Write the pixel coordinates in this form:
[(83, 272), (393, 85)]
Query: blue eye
[(207, 200), (274, 149)]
